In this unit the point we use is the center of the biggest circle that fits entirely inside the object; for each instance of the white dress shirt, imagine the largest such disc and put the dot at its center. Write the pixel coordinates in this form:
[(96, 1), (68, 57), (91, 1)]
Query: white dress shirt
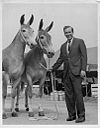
[(69, 44)]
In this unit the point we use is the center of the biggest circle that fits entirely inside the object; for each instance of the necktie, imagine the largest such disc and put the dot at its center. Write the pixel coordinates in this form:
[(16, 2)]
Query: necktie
[(69, 46)]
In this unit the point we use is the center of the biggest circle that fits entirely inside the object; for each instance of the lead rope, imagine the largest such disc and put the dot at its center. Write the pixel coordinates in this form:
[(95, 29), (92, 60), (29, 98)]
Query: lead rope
[(53, 90)]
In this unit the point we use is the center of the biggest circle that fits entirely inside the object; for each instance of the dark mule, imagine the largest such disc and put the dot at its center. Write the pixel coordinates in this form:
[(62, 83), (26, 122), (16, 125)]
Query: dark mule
[(13, 60), (35, 65)]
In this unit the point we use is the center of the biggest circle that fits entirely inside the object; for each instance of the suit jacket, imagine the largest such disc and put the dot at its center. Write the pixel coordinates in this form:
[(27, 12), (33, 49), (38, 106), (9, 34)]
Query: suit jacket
[(76, 60)]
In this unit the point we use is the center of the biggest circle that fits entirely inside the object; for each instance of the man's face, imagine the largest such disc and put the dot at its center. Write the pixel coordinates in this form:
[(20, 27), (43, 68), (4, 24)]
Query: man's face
[(68, 33)]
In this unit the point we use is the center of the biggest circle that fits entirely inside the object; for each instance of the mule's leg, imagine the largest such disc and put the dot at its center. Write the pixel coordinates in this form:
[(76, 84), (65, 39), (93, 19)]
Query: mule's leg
[(17, 99), (22, 89), (4, 116), (26, 99), (4, 92), (29, 79), (14, 93), (40, 108)]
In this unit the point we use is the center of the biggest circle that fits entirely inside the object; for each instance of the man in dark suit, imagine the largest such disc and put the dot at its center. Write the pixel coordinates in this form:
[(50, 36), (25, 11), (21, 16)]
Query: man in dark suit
[(73, 54)]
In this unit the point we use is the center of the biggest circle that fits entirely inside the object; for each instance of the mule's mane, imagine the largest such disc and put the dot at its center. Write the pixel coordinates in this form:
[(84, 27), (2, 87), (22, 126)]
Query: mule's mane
[(16, 41), (13, 53), (16, 37)]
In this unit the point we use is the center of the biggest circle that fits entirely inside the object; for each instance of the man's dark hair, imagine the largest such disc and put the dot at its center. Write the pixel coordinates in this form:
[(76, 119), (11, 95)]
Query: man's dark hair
[(65, 27)]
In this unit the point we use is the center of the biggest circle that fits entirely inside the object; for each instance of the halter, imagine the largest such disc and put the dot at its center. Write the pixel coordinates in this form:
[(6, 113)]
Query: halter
[(24, 37), (40, 43), (43, 66)]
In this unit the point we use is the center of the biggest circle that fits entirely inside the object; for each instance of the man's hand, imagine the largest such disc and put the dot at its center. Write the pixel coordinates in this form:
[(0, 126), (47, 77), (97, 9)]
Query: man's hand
[(51, 70), (83, 73)]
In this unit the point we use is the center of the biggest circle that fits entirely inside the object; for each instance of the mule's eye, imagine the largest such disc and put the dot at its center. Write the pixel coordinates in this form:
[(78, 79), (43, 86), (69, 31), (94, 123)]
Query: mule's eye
[(23, 30), (42, 37)]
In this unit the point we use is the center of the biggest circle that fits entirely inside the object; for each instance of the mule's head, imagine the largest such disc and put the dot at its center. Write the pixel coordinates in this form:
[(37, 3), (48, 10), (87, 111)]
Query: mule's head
[(26, 31), (43, 39)]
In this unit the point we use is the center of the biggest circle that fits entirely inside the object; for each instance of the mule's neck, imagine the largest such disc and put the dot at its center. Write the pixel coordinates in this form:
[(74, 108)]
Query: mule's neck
[(38, 52), (18, 45)]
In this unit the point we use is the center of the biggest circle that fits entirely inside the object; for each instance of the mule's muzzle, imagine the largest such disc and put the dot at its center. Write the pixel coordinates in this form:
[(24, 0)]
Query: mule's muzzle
[(50, 54), (31, 46)]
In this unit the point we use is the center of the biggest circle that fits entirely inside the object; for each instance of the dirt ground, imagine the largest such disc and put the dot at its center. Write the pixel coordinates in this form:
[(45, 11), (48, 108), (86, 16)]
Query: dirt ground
[(91, 106)]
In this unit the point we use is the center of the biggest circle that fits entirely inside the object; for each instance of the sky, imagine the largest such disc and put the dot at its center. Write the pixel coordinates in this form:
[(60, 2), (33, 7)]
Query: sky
[(81, 16)]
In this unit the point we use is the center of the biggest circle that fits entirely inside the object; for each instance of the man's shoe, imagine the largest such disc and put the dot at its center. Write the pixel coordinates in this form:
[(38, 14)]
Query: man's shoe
[(71, 118), (80, 119)]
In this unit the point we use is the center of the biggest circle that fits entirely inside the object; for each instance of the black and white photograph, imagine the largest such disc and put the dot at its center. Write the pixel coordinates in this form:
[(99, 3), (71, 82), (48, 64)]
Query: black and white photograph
[(50, 63)]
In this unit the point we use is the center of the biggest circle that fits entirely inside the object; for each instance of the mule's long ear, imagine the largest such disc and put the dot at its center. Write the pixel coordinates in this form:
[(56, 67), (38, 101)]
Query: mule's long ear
[(22, 19), (31, 20), (49, 27), (41, 24)]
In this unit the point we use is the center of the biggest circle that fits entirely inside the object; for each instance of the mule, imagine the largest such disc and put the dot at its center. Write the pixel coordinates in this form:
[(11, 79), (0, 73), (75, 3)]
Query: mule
[(13, 60), (35, 65)]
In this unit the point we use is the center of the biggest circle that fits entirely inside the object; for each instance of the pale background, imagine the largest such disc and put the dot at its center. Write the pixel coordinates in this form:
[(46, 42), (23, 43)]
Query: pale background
[(84, 28), (81, 16)]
